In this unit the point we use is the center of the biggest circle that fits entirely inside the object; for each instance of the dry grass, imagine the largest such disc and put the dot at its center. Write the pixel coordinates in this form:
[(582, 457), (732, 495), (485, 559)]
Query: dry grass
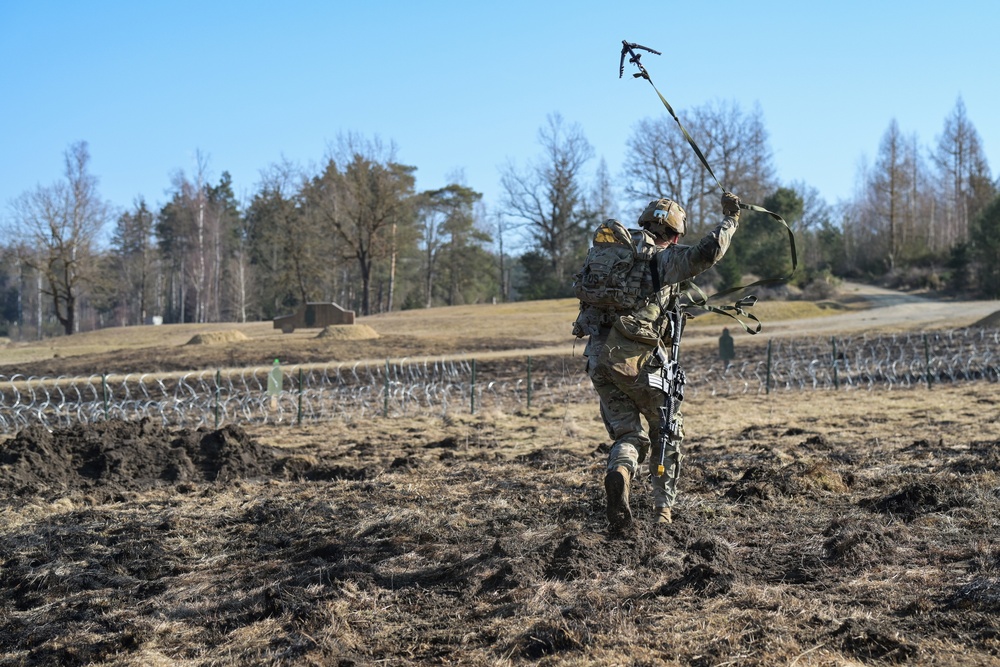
[(482, 330), (849, 528), (825, 528), (548, 321)]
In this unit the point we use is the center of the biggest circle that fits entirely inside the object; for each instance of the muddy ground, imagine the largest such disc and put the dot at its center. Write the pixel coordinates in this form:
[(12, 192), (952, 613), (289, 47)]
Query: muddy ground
[(825, 528)]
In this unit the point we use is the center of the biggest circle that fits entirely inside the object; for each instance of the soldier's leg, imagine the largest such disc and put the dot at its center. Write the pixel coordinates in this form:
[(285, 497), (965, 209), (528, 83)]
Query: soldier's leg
[(624, 425), (622, 419), (650, 400)]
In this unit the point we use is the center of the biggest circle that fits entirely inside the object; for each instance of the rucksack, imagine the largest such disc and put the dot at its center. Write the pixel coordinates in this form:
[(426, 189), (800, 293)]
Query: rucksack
[(612, 273)]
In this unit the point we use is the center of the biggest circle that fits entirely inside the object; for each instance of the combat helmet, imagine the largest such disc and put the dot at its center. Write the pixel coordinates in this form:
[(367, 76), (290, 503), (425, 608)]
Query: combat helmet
[(663, 217)]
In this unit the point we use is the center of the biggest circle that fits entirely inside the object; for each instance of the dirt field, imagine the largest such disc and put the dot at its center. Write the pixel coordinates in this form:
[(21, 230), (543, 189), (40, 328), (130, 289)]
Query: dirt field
[(825, 528)]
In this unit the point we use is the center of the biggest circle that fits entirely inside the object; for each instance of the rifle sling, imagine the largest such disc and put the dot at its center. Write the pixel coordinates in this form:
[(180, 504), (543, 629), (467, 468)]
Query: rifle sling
[(734, 311)]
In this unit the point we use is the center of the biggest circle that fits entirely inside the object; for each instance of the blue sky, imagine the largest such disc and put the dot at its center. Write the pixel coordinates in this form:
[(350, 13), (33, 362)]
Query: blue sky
[(463, 85)]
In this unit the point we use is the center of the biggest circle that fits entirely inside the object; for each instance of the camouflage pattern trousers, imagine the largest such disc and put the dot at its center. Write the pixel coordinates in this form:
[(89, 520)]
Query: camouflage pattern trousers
[(625, 402)]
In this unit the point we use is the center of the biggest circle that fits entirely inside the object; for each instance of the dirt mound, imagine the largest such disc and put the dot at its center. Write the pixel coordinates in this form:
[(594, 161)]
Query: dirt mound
[(710, 568), (118, 455), (348, 332), (217, 337), (768, 482), (858, 542), (918, 498), (991, 321)]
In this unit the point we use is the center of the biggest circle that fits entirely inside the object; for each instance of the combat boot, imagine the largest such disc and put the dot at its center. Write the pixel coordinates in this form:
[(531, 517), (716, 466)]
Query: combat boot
[(616, 484), (662, 515)]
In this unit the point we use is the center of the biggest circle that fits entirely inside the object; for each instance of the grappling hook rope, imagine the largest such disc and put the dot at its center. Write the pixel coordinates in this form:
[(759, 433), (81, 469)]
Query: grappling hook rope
[(629, 49)]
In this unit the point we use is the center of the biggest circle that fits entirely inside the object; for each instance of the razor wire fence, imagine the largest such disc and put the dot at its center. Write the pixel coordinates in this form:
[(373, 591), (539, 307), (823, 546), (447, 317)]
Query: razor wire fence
[(302, 394)]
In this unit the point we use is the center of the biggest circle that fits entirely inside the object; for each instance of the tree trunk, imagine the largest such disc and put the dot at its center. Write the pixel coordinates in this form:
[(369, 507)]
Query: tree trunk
[(392, 267), (366, 295)]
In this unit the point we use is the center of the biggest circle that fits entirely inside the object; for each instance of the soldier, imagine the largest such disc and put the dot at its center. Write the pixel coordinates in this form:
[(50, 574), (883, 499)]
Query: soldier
[(622, 347)]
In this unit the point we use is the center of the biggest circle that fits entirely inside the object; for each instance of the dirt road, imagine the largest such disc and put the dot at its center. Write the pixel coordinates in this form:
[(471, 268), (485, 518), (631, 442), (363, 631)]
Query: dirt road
[(892, 310), (888, 310)]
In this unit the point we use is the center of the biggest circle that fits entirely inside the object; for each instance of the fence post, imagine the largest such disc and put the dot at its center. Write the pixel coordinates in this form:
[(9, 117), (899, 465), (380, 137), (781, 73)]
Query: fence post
[(104, 391), (385, 400), (767, 380), (836, 382), (472, 388), (299, 420), (927, 360), (218, 381), (529, 382)]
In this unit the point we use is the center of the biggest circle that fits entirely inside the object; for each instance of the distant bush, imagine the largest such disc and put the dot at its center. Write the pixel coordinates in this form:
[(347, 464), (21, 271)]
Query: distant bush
[(915, 278), (817, 285)]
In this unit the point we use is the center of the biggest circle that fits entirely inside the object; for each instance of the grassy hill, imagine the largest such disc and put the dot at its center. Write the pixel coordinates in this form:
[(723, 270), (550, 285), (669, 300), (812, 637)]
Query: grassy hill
[(481, 330)]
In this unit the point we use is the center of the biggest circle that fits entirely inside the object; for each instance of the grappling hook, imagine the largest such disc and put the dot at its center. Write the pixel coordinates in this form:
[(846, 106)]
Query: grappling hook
[(629, 48)]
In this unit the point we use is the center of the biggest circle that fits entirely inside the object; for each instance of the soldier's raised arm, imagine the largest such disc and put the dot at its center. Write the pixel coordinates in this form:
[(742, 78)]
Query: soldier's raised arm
[(682, 262)]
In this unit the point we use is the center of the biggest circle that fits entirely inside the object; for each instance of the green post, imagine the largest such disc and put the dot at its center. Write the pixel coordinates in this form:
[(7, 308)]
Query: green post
[(299, 421), (927, 360), (529, 383), (275, 381), (836, 380), (385, 400), (104, 390), (218, 382), (472, 388), (767, 380)]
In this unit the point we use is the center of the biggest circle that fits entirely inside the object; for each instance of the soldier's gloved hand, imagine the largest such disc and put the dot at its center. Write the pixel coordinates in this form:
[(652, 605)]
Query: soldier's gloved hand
[(730, 205)]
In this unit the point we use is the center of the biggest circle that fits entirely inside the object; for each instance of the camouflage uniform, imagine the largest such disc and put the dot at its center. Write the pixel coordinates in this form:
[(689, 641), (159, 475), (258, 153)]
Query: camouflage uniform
[(621, 353)]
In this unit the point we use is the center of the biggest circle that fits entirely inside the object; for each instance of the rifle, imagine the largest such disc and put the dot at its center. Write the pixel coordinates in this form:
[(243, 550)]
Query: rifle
[(670, 380)]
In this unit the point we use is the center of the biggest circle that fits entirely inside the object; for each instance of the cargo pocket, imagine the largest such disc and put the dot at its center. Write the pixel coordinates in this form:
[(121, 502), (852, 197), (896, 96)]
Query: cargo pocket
[(625, 356)]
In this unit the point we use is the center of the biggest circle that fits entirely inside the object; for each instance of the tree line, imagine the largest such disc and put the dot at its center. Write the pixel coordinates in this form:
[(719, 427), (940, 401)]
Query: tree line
[(357, 232)]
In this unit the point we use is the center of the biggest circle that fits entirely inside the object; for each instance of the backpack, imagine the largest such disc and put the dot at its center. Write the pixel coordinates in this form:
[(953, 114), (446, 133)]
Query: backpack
[(613, 275)]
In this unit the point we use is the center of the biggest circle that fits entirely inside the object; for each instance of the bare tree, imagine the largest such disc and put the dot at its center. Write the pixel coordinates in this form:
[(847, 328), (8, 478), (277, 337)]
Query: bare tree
[(549, 196), (500, 231), (196, 229), (863, 245), (181, 227), (890, 188), (241, 277), (603, 203), (59, 226), (964, 180), (368, 206), (660, 163)]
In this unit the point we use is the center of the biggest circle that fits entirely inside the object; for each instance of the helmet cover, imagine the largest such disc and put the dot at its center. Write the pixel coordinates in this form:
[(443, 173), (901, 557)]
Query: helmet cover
[(663, 217)]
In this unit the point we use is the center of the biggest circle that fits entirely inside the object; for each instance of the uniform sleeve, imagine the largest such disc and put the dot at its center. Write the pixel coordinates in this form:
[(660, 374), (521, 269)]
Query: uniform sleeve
[(683, 262)]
